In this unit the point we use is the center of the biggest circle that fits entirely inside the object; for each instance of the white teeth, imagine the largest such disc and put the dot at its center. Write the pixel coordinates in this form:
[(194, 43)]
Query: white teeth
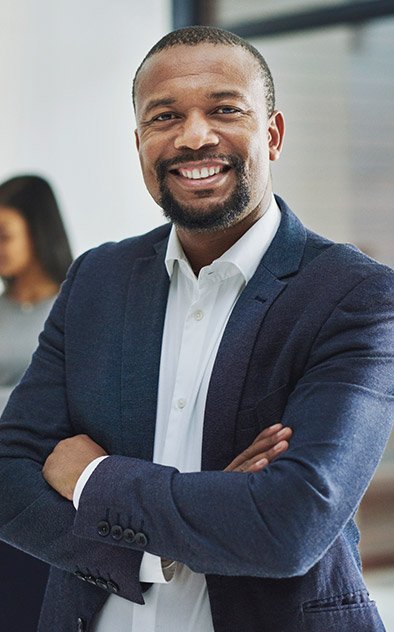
[(198, 174)]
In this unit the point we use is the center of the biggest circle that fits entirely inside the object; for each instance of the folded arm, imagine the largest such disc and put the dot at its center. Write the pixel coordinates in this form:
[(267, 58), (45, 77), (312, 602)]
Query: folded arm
[(215, 522), (234, 524)]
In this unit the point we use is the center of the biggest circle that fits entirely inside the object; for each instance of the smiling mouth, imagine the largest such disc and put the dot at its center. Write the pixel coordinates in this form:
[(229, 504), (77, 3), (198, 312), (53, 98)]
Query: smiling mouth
[(191, 172)]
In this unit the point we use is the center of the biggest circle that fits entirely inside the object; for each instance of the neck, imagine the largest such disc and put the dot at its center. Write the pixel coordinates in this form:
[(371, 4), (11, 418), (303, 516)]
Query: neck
[(32, 286), (203, 247)]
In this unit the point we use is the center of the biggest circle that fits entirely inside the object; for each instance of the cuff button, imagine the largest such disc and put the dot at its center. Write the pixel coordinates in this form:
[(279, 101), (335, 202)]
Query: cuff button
[(103, 528), (141, 539), (80, 625), (129, 535), (116, 532), (112, 587), (101, 583)]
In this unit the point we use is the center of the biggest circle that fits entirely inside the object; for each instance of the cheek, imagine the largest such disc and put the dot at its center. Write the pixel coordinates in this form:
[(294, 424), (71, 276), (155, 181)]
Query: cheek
[(259, 160), (148, 156), (148, 173), (19, 253)]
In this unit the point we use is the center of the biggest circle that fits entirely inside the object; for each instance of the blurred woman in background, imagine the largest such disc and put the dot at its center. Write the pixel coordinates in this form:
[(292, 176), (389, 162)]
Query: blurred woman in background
[(34, 258)]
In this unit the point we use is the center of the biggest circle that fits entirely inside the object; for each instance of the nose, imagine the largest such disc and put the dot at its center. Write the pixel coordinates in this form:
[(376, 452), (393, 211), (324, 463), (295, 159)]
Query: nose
[(196, 132)]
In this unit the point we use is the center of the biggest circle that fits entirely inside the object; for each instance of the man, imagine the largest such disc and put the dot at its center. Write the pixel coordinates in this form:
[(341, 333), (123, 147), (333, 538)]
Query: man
[(180, 347)]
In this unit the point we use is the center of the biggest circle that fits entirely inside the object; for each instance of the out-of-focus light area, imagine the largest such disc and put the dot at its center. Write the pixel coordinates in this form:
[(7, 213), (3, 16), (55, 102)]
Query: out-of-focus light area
[(66, 70)]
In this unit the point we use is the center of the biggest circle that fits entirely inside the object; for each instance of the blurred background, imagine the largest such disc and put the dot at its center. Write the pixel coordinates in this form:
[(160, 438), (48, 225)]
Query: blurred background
[(66, 69)]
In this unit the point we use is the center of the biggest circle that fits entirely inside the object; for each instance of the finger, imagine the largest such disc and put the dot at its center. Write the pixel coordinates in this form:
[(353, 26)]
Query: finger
[(260, 461), (258, 466), (268, 432), (274, 452), (267, 443), (262, 444)]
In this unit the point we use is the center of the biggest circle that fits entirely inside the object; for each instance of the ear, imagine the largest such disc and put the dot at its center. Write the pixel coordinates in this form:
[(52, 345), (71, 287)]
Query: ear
[(276, 134), (137, 139)]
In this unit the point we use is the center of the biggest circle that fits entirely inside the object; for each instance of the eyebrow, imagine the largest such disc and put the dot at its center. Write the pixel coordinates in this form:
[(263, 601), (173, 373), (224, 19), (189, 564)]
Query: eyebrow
[(157, 103), (226, 94)]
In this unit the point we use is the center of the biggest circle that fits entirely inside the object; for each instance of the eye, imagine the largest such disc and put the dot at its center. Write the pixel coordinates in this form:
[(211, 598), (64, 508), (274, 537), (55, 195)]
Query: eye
[(227, 109), (164, 116)]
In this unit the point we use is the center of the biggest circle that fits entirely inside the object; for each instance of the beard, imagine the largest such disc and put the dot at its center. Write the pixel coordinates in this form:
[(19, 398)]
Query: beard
[(215, 216)]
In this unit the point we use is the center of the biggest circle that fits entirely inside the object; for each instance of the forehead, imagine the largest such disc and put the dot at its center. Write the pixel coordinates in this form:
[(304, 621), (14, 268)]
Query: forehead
[(10, 216), (202, 66)]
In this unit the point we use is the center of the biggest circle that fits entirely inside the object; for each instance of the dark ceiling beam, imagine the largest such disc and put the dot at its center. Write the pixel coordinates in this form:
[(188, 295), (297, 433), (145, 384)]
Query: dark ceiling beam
[(190, 12), (333, 15)]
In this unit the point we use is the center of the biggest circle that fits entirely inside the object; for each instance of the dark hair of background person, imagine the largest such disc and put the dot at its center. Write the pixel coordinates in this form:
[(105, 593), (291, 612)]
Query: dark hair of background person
[(33, 198), (193, 35)]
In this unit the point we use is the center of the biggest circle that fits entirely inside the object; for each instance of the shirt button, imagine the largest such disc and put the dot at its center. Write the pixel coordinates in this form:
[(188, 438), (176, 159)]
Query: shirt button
[(198, 315), (181, 403)]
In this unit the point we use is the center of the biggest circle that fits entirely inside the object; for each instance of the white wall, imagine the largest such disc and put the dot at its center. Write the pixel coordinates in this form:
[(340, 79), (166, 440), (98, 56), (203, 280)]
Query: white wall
[(66, 68)]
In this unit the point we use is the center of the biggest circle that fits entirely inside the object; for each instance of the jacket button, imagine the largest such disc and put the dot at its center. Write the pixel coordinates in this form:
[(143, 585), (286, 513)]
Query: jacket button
[(103, 528), (80, 625), (141, 539), (101, 583), (116, 532), (80, 575), (90, 579), (129, 535)]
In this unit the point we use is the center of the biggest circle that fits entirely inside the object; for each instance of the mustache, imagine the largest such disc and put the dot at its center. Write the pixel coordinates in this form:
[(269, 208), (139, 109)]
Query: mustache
[(163, 166)]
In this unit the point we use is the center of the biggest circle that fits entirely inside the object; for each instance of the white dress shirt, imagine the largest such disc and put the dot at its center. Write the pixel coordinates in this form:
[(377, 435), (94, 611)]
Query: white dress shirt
[(198, 309)]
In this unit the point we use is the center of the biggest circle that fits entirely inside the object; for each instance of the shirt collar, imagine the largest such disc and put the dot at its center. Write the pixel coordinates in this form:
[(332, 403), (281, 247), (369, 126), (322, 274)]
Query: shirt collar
[(245, 254)]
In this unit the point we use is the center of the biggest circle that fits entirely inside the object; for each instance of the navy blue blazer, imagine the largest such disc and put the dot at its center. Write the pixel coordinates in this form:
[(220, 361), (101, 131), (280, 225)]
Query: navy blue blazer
[(309, 342)]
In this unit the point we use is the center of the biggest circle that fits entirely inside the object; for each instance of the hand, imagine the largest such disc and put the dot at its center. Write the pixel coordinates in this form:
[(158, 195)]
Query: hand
[(267, 446), (68, 460)]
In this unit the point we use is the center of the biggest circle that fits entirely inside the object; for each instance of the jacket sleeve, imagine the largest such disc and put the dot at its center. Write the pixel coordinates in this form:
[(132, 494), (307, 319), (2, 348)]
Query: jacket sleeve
[(278, 522), (33, 517)]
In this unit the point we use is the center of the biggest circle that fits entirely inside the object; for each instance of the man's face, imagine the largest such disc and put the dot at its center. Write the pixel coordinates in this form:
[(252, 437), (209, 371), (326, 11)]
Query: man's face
[(203, 135)]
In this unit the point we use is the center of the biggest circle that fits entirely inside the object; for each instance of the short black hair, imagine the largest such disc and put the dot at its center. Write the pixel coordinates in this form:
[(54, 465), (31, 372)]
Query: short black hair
[(193, 35), (33, 198)]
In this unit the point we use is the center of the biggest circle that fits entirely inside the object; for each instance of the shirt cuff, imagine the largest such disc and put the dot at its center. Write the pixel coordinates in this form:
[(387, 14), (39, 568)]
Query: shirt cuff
[(155, 569), (83, 479)]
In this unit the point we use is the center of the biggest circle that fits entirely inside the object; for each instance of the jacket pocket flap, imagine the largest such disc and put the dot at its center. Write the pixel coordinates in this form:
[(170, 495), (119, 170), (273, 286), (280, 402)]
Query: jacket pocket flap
[(267, 410)]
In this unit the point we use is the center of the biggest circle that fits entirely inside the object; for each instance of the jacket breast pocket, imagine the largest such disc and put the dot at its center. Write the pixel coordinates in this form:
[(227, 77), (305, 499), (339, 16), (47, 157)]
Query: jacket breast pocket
[(267, 411)]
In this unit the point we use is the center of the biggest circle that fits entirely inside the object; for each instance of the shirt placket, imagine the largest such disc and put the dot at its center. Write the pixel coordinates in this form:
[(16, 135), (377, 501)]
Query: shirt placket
[(183, 432)]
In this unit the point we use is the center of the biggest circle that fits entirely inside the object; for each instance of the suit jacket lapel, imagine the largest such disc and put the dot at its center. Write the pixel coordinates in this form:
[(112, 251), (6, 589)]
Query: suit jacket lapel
[(142, 336), (282, 259)]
